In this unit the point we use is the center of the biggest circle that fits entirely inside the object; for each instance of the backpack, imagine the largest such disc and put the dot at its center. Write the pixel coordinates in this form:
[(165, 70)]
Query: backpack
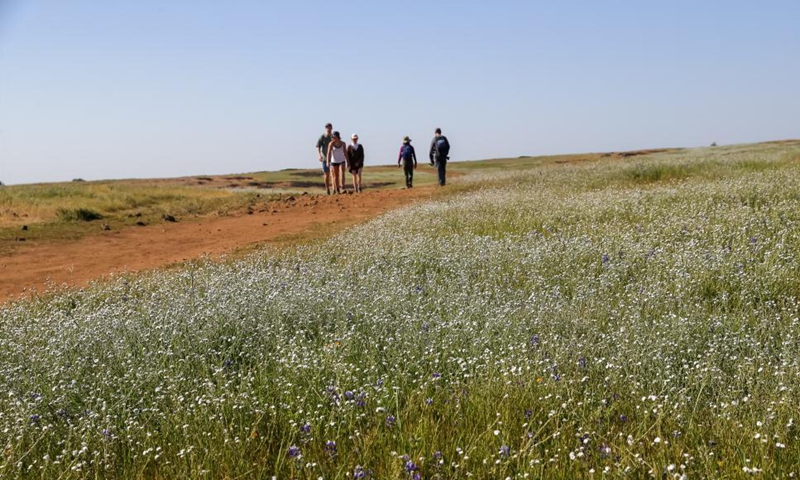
[(406, 153), (442, 147)]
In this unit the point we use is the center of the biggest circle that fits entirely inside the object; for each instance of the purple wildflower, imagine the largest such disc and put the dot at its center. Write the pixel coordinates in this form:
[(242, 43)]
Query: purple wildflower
[(330, 448), (294, 452), (429, 401), (437, 375), (582, 362), (349, 395), (623, 418), (535, 340), (390, 420), (306, 428), (505, 450), (361, 400), (411, 467), (605, 259), (35, 418), (359, 472), (528, 413)]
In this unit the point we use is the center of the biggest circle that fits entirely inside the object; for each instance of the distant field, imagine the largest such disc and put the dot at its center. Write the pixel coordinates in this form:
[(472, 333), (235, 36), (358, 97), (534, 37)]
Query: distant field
[(590, 316), (70, 210), (65, 211)]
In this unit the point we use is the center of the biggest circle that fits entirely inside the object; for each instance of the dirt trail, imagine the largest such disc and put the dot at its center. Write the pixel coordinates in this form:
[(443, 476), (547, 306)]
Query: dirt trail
[(33, 267)]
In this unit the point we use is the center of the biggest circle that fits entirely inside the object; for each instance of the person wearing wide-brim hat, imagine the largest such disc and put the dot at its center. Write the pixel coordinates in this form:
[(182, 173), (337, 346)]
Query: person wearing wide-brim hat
[(355, 161), (408, 160)]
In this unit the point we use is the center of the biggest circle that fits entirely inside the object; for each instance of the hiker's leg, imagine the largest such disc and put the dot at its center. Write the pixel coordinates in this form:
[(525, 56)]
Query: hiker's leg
[(441, 169), (337, 177), (326, 174)]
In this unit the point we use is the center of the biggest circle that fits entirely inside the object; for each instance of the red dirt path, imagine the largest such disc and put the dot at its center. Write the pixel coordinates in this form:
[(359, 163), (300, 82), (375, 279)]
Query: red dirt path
[(31, 268)]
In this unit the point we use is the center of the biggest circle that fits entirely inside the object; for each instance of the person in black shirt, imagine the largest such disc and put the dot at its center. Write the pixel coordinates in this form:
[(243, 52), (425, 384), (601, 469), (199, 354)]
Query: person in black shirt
[(355, 161), (408, 160), (439, 154)]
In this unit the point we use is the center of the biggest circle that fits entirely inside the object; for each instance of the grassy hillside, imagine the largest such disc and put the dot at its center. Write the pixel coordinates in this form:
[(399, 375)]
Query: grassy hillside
[(630, 317)]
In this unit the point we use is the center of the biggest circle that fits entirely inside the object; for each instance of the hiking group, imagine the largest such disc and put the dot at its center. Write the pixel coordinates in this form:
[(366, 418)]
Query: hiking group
[(335, 156)]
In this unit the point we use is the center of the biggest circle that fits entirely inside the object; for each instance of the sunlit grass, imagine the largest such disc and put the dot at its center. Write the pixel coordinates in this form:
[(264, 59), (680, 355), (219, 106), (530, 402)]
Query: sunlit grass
[(567, 321)]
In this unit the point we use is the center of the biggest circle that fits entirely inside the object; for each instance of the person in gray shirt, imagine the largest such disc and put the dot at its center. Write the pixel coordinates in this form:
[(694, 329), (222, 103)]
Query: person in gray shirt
[(322, 152)]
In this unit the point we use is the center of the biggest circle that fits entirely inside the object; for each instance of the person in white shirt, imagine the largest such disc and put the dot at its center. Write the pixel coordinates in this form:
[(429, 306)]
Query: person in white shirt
[(337, 158)]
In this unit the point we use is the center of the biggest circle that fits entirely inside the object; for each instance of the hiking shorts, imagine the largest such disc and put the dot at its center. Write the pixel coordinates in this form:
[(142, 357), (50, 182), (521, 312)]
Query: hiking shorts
[(325, 168)]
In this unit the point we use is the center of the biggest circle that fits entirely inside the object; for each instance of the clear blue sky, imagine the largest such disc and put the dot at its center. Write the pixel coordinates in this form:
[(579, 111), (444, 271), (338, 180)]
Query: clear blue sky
[(113, 88)]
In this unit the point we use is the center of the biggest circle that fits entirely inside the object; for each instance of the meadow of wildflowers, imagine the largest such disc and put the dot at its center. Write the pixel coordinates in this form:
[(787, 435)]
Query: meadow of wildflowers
[(616, 319)]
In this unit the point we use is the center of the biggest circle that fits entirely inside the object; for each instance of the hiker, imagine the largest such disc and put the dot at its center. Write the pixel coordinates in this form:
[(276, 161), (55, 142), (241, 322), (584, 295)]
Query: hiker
[(355, 161), (439, 154), (408, 160), (322, 151), (337, 158)]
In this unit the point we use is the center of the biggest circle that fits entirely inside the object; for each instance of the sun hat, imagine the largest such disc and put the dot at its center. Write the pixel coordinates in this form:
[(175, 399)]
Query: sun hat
[(406, 139)]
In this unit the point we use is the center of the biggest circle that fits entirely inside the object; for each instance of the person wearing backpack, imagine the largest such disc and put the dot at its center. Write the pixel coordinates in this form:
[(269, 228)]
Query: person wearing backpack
[(408, 160), (440, 154)]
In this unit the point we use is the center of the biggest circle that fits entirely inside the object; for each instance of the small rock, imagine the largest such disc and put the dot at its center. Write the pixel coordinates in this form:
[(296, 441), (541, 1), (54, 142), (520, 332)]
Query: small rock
[(24, 228), (20, 239), (106, 227), (140, 223), (169, 218)]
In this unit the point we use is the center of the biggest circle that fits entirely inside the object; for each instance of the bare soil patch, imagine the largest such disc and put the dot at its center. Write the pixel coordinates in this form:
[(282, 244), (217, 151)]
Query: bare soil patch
[(37, 266)]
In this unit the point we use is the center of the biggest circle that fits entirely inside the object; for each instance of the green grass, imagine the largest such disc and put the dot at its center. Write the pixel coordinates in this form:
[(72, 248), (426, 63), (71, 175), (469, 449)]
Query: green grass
[(77, 215), (563, 320), (65, 211)]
